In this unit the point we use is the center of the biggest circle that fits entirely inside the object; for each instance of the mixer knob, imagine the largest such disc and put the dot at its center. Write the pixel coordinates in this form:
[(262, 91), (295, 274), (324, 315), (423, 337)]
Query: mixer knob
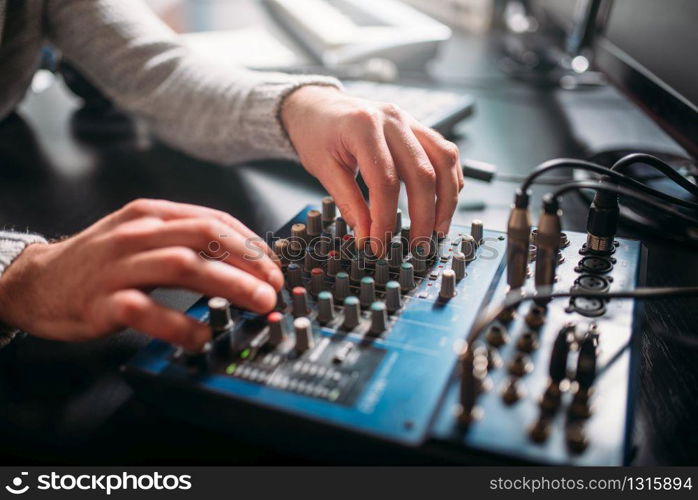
[(304, 334), (347, 248), (325, 307), (419, 260), (317, 281), (281, 250), (196, 362), (352, 312), (448, 284), (299, 232), (468, 390), (393, 299), (379, 318), (398, 222), (219, 315), (329, 210), (334, 263), (382, 272), (367, 293), (294, 276), (406, 276), (356, 271), (340, 227), (341, 285), (277, 328), (324, 244), (311, 261), (458, 265), (314, 224), (468, 247), (512, 392), (300, 302), (477, 231), (395, 253), (280, 301)]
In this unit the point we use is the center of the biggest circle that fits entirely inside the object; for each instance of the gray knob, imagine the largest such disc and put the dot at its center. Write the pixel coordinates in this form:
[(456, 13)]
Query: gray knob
[(300, 302), (405, 237), (382, 272), (314, 224), (219, 315), (356, 271), (395, 254), (324, 244), (352, 312), (367, 293), (294, 276), (304, 334), (280, 301), (379, 318), (281, 250), (458, 265), (393, 299), (341, 285), (329, 210), (419, 260), (398, 222), (317, 281), (277, 328), (325, 307), (334, 263), (311, 261), (448, 284), (468, 247), (299, 232), (407, 276), (477, 231), (340, 227)]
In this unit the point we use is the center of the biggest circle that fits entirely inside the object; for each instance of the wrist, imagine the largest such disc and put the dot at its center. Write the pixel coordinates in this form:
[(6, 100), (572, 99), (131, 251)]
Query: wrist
[(16, 285), (299, 103)]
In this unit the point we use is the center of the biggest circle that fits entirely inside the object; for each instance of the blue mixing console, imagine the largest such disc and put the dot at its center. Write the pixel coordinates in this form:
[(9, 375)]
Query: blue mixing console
[(367, 350)]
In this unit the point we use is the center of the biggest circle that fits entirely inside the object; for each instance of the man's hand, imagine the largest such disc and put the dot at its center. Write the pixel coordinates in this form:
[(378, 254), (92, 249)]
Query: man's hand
[(93, 284), (336, 136)]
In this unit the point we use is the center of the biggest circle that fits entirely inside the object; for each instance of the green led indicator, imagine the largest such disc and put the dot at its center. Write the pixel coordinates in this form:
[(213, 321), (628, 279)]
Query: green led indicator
[(245, 354), (230, 369), (334, 394)]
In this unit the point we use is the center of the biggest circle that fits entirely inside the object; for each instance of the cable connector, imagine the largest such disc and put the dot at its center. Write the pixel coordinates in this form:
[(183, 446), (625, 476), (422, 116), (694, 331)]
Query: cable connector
[(602, 221)]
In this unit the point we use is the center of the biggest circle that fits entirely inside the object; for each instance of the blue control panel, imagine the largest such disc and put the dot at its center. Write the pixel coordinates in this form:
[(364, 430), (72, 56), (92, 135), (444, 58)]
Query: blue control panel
[(398, 382)]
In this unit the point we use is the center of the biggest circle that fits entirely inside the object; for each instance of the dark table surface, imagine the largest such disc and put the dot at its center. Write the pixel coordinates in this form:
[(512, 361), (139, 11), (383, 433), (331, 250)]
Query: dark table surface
[(59, 172)]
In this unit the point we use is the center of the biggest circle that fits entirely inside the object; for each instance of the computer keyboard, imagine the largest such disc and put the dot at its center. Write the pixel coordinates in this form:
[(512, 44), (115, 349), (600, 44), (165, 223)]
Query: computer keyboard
[(437, 109)]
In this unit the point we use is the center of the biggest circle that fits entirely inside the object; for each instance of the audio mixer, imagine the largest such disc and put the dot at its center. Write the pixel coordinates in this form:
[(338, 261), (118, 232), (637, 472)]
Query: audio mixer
[(370, 351)]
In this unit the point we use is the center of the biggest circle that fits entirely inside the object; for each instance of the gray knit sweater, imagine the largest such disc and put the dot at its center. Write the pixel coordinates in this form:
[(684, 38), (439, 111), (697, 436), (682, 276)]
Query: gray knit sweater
[(214, 112)]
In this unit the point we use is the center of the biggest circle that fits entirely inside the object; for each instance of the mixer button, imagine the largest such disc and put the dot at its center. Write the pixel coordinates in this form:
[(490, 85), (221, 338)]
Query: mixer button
[(393, 299), (382, 272), (448, 284), (477, 231), (406, 276), (367, 292), (342, 353), (300, 302), (325, 307), (304, 334), (314, 224), (352, 313), (329, 210), (379, 318), (294, 276), (341, 285), (458, 265), (219, 315), (277, 328), (317, 281), (468, 247)]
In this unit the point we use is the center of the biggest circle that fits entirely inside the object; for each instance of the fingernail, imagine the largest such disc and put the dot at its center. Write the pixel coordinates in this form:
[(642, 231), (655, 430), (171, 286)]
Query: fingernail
[(264, 297)]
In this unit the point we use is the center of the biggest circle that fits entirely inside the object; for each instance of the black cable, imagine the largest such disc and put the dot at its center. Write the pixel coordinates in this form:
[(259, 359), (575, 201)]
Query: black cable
[(599, 169), (610, 188), (516, 297), (659, 165)]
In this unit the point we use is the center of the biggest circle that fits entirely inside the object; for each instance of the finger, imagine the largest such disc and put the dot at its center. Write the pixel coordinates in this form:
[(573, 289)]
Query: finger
[(180, 267), (211, 238), (379, 172), (169, 210), (134, 309), (419, 176), (445, 159)]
